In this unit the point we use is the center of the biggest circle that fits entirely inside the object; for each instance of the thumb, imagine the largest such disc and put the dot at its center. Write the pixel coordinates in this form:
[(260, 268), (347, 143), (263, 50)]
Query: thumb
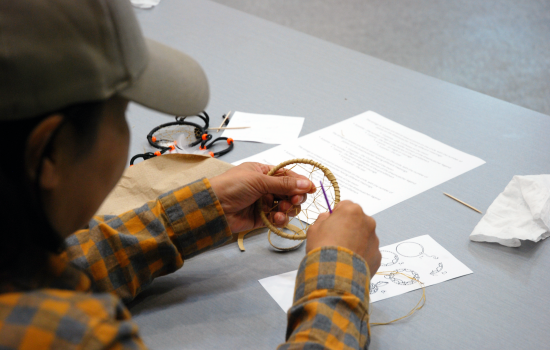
[(286, 185)]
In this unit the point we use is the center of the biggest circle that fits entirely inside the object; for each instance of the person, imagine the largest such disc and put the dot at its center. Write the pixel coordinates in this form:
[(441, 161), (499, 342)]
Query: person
[(68, 70)]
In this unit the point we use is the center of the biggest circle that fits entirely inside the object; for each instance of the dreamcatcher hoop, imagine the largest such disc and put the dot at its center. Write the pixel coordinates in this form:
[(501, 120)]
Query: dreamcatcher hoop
[(199, 137), (289, 227), (328, 174)]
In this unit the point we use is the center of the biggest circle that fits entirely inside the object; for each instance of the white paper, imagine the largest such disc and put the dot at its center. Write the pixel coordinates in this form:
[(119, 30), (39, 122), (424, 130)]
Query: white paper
[(145, 4), (421, 257), (281, 288), (264, 128), (377, 162), (520, 212)]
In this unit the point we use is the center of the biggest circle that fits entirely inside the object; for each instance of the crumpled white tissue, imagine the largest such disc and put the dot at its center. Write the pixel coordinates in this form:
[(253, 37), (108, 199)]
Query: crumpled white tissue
[(145, 4), (521, 212)]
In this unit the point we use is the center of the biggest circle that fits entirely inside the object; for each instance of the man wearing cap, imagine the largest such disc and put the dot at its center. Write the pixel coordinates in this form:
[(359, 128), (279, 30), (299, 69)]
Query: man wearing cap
[(68, 69)]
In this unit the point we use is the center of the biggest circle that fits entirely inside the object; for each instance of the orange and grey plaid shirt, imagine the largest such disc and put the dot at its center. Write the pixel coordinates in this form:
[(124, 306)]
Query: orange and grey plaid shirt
[(81, 304)]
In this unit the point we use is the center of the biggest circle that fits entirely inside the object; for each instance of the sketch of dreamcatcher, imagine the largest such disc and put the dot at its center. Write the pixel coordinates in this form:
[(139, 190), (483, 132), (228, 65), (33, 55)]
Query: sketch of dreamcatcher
[(438, 269), (395, 278), (412, 250), (285, 238), (388, 258), (374, 286)]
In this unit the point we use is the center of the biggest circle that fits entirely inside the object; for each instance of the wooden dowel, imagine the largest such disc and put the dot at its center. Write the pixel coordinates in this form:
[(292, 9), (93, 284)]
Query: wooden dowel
[(461, 202), (237, 127), (224, 119)]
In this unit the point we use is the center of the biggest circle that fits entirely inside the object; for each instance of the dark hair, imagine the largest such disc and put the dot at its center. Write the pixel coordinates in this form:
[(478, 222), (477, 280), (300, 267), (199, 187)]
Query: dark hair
[(26, 234)]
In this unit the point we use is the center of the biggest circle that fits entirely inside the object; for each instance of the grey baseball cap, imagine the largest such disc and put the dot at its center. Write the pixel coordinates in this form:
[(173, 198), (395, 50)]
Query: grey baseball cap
[(54, 53)]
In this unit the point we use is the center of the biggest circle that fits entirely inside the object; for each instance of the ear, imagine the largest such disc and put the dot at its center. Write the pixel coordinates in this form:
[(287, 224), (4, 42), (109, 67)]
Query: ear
[(37, 141)]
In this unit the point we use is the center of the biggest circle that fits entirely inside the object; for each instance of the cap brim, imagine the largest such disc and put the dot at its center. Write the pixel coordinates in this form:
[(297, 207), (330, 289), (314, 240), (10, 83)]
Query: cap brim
[(172, 82)]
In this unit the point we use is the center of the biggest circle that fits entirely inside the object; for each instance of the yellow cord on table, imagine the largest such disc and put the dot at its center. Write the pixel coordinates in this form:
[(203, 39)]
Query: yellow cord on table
[(418, 305)]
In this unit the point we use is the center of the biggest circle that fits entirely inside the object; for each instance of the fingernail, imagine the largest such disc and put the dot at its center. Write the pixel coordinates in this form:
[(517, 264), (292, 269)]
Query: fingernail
[(299, 200), (303, 184)]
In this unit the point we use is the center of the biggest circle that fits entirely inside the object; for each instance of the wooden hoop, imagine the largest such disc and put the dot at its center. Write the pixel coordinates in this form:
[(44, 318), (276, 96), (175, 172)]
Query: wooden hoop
[(299, 235)]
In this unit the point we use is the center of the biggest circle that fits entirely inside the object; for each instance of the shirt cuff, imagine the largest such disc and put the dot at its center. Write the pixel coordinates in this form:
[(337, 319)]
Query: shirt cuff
[(333, 268), (196, 218)]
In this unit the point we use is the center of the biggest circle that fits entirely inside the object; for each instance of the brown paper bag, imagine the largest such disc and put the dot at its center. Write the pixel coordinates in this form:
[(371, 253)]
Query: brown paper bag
[(147, 180)]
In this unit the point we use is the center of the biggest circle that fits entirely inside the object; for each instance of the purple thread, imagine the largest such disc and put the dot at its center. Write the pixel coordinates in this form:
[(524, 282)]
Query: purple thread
[(326, 198)]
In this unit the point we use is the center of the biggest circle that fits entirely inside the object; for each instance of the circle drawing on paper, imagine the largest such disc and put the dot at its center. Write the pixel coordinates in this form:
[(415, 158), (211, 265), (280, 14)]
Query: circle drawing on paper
[(374, 287), (401, 280), (388, 258), (412, 250)]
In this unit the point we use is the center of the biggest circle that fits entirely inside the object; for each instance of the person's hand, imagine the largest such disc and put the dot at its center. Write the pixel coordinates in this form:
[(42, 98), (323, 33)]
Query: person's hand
[(347, 227), (239, 188)]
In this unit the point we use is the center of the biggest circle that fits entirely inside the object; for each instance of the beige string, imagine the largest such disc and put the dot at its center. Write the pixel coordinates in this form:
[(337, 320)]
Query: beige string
[(300, 234), (418, 305), (279, 170)]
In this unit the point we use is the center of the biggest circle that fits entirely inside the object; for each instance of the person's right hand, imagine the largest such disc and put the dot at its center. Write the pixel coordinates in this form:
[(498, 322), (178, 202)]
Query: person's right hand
[(347, 227)]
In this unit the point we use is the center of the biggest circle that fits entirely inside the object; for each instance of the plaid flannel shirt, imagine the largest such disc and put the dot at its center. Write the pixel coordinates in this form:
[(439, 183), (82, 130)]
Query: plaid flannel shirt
[(78, 304), (331, 300)]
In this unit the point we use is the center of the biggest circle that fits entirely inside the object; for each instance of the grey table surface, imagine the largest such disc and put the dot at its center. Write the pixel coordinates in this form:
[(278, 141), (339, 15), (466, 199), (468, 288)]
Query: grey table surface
[(215, 300)]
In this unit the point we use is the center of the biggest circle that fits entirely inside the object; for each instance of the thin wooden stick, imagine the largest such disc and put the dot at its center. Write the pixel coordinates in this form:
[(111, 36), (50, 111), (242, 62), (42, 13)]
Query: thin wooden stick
[(461, 202), (237, 127), (224, 119)]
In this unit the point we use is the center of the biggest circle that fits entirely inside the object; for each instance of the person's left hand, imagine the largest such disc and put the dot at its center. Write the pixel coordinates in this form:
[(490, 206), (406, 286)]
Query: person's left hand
[(239, 188)]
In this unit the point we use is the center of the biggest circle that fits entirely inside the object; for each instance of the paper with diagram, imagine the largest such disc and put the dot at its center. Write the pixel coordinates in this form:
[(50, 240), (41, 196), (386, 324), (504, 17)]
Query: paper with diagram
[(377, 162), (421, 258)]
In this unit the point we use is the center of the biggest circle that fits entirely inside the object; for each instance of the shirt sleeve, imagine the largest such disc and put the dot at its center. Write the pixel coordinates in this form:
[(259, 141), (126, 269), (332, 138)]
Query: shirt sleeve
[(331, 301), (65, 319), (109, 325), (124, 253)]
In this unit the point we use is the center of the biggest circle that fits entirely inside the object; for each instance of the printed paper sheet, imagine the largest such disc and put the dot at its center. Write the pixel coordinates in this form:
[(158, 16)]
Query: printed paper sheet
[(377, 162), (421, 257)]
